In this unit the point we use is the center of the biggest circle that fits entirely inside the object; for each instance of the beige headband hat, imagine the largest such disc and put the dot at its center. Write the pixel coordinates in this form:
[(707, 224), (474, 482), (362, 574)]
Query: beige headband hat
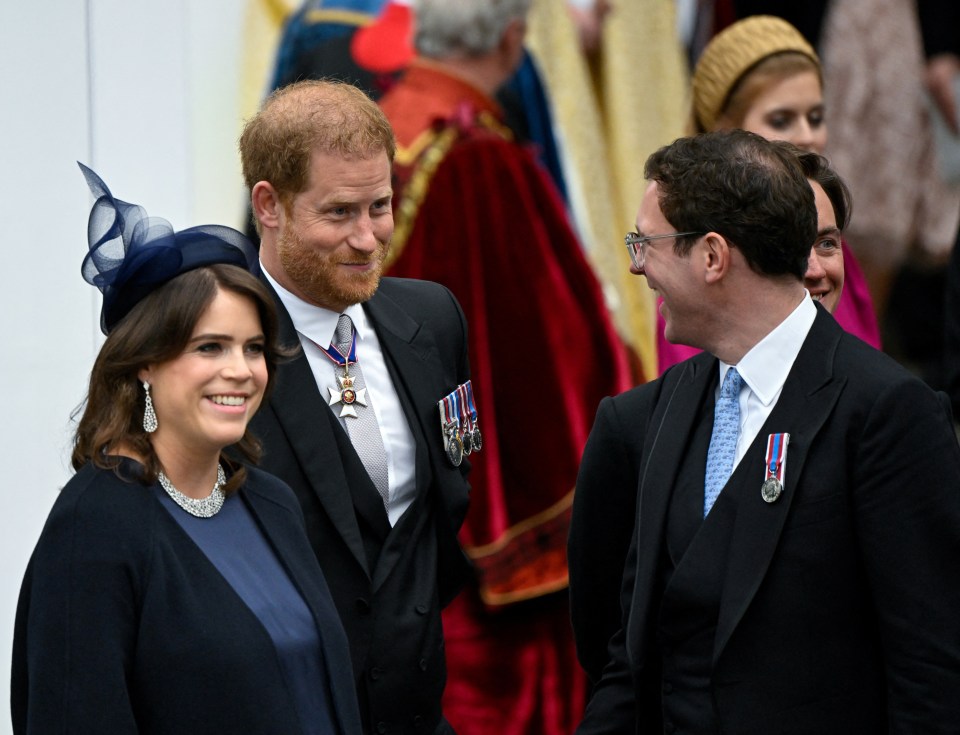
[(732, 53)]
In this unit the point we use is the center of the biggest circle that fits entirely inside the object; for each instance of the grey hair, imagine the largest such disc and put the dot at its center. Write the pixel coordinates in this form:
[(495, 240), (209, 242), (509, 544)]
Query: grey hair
[(445, 28)]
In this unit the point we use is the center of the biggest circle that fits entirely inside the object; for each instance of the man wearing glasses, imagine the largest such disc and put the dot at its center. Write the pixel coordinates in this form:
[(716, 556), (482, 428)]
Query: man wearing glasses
[(797, 493)]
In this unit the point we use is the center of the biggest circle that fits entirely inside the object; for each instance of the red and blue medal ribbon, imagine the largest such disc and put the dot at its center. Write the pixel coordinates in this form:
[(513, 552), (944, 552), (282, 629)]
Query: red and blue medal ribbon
[(345, 394), (774, 468), (470, 418), (458, 422), (450, 426), (446, 408), (466, 415), (471, 407), (776, 454), (334, 353)]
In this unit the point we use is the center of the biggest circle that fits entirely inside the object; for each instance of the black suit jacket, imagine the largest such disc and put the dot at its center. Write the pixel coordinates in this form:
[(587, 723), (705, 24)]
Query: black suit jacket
[(839, 604), (389, 584), (939, 26), (125, 626)]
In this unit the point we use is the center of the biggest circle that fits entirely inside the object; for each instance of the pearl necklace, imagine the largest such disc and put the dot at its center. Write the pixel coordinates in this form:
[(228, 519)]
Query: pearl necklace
[(199, 507)]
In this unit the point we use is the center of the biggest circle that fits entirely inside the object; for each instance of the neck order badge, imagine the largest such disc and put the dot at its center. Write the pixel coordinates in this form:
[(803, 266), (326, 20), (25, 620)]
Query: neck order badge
[(347, 393)]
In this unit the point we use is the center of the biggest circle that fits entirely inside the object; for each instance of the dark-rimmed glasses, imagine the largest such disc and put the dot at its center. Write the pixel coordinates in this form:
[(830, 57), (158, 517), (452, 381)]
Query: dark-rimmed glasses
[(637, 244)]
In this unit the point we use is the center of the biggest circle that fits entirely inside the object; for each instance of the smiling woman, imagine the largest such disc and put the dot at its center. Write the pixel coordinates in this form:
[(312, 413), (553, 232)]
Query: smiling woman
[(825, 273), (205, 397), (142, 565)]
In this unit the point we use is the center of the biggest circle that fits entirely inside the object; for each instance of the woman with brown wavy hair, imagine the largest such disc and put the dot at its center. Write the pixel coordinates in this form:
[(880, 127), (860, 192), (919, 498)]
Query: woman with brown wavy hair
[(153, 603)]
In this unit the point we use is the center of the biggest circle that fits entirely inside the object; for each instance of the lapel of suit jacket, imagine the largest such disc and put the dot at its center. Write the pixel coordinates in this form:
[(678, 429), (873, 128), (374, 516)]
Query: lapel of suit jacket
[(272, 516), (809, 396), (415, 356), (298, 402), (672, 423), (411, 355)]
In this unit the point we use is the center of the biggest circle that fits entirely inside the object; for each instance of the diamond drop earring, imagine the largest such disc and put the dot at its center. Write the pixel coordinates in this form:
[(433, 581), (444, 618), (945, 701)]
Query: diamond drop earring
[(149, 415)]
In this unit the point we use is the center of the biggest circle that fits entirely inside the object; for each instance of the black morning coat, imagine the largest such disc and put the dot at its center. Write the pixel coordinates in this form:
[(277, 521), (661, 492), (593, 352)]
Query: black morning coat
[(389, 584), (833, 609)]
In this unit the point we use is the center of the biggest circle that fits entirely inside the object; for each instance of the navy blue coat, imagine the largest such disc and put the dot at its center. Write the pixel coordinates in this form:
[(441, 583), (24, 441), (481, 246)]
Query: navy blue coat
[(125, 626)]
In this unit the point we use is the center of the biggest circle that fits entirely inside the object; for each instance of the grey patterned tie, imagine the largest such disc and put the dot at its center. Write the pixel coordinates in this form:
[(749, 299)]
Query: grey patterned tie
[(363, 430)]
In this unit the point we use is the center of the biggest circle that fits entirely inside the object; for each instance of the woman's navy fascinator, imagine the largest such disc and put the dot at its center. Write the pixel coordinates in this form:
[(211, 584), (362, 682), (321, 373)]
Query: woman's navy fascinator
[(131, 253)]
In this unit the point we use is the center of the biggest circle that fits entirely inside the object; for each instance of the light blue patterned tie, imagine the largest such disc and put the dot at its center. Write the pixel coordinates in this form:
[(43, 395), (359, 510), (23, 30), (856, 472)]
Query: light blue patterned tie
[(723, 441)]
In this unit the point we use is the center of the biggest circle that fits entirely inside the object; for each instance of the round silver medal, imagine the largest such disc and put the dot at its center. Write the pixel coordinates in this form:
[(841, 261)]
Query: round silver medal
[(771, 489), (454, 450), (477, 439)]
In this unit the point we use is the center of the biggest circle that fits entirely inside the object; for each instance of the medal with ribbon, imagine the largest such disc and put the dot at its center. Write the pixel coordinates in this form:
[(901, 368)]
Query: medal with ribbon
[(466, 423), (458, 422), (346, 394), (471, 408), (450, 425), (774, 467)]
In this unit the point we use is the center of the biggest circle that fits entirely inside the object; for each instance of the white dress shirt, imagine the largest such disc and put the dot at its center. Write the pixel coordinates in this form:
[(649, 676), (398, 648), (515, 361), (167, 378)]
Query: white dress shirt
[(764, 370), (316, 327)]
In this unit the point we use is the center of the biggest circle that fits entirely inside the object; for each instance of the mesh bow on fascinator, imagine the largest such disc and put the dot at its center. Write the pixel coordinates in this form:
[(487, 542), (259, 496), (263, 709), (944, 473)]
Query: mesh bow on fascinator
[(131, 253)]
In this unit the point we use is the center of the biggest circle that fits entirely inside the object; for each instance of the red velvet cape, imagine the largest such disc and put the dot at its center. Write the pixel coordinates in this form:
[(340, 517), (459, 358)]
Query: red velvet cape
[(475, 212)]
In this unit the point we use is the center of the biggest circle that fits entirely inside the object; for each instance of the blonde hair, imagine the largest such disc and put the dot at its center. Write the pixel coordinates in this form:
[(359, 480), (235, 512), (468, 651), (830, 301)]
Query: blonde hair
[(759, 78), (758, 43)]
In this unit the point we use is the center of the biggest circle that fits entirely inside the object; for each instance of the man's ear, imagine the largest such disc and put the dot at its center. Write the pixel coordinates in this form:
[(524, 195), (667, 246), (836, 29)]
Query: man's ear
[(267, 207), (717, 255), (516, 31), (511, 42)]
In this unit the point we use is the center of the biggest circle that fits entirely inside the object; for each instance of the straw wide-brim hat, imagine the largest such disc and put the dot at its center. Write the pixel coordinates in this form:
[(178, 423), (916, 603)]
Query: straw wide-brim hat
[(732, 53)]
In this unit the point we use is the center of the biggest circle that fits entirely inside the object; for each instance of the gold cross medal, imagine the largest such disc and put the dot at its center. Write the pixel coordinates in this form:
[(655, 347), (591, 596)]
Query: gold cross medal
[(347, 395)]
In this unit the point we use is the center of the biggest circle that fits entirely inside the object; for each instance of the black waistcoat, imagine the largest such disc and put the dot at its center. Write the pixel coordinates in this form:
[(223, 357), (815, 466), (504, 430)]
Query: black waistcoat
[(693, 569)]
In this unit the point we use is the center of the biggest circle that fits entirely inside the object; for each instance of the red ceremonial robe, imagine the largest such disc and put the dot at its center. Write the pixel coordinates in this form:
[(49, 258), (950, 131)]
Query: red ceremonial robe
[(475, 212)]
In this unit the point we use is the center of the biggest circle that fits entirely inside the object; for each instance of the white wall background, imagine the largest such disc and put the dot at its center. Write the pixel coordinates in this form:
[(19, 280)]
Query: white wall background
[(146, 93)]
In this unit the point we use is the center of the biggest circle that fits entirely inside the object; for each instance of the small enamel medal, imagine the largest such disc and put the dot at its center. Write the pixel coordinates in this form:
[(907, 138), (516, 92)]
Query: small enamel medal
[(347, 394), (466, 429), (450, 424), (476, 437), (774, 467), (472, 439)]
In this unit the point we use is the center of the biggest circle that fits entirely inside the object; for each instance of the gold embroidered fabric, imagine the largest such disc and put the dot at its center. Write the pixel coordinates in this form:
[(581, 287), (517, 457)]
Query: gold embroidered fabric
[(612, 112)]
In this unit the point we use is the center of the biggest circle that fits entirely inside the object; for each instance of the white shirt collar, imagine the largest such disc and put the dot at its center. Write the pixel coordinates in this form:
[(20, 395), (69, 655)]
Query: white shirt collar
[(766, 366), (314, 322)]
